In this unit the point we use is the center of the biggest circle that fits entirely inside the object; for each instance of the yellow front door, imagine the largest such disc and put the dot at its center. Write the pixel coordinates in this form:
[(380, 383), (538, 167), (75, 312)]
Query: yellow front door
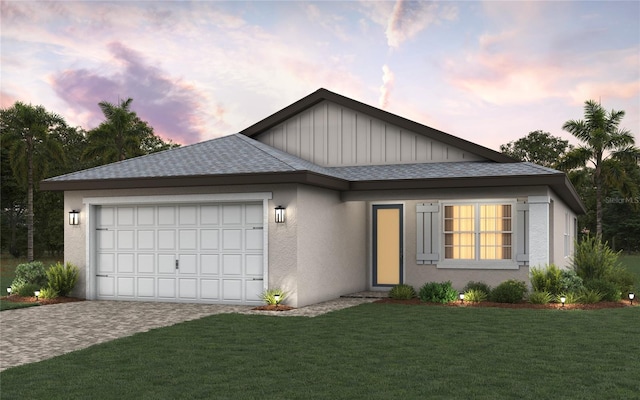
[(387, 244)]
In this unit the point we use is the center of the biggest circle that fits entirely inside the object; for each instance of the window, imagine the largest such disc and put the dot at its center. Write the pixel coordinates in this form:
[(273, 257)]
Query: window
[(478, 232)]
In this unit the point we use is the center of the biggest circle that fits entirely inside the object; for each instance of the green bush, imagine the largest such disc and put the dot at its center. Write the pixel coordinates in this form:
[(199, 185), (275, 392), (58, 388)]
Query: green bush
[(608, 289), (590, 296), (593, 259), (33, 272), (571, 282), (540, 297), (571, 297), (624, 279), (475, 295), (24, 289), (548, 279), (62, 278), (511, 291), (402, 292), (48, 293), (481, 286), (434, 292), (269, 296)]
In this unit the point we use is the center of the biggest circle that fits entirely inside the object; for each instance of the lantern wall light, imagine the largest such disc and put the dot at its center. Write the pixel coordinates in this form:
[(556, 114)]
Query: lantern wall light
[(280, 215), (74, 217)]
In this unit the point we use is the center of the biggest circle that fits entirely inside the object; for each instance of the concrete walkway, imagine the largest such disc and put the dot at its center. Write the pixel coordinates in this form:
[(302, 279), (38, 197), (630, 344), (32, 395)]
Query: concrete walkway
[(37, 333)]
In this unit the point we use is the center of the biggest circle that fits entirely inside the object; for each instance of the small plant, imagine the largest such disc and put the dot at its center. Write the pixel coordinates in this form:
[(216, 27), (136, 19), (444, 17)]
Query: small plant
[(590, 296), (571, 297), (540, 297), (571, 282), (402, 292), (511, 291), (22, 288), (62, 278), (33, 272), (607, 289), (269, 296), (475, 295), (435, 292), (548, 279), (481, 286), (48, 293), (593, 259)]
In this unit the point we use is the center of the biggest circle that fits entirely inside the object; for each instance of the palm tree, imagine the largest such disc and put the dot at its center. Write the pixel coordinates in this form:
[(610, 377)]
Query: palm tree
[(120, 136), (26, 131), (604, 145)]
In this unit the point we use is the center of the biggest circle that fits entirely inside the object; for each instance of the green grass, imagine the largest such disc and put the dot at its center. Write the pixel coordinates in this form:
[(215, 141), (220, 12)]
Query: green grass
[(10, 305), (373, 351)]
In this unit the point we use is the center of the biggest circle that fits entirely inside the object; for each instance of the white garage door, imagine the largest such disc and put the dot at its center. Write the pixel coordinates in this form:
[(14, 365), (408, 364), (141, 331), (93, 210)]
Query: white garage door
[(205, 253)]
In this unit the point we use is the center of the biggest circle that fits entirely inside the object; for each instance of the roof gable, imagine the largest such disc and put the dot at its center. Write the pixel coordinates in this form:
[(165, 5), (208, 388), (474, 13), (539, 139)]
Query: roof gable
[(332, 130)]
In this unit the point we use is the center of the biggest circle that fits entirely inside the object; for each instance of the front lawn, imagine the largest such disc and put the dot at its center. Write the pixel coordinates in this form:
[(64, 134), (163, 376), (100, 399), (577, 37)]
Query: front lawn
[(373, 351)]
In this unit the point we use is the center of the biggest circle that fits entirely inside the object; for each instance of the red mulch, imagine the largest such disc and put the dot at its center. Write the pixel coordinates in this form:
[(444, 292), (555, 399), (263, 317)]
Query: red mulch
[(273, 307), (19, 299), (596, 306)]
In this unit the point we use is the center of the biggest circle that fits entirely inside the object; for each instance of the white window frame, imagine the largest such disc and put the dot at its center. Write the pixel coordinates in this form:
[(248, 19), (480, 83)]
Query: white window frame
[(478, 263)]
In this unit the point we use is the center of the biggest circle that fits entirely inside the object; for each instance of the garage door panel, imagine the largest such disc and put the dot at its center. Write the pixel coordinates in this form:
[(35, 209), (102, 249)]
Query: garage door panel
[(209, 264), (146, 287), (126, 263), (209, 253), (125, 286), (188, 239), (146, 264)]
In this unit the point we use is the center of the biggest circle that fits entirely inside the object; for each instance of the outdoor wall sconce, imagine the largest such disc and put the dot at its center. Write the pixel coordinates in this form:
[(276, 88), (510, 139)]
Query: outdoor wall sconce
[(631, 297), (562, 300), (37, 293), (280, 214), (9, 291), (461, 296), (74, 217)]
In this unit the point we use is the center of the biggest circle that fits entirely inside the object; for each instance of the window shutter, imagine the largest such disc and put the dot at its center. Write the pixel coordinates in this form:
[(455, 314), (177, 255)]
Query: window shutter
[(428, 224), (522, 232)]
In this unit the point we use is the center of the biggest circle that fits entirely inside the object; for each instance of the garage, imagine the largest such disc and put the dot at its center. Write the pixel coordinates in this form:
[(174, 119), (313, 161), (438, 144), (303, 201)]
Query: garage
[(197, 253)]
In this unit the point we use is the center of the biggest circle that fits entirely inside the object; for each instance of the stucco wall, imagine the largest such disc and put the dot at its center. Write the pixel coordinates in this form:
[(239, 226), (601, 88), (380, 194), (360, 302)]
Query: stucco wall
[(331, 245), (563, 222)]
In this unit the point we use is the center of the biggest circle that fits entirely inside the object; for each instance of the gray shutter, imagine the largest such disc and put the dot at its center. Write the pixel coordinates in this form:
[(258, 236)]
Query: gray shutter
[(522, 232), (428, 233)]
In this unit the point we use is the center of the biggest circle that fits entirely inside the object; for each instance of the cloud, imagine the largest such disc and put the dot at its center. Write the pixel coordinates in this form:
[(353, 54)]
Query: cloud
[(388, 80), (172, 107)]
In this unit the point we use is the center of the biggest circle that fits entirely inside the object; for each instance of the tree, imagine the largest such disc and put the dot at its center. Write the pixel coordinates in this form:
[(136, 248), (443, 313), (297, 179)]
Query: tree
[(604, 146), (537, 147), (27, 131), (123, 135)]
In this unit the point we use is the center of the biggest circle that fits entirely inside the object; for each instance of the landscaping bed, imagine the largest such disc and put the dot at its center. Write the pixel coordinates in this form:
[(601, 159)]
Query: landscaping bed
[(594, 306), (20, 299)]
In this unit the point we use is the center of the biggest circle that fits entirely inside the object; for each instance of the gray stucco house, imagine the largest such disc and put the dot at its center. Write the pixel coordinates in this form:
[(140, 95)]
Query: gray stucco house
[(370, 200)]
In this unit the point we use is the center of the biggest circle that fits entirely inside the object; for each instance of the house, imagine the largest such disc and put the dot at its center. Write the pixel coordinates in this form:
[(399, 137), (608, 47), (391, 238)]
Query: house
[(365, 200)]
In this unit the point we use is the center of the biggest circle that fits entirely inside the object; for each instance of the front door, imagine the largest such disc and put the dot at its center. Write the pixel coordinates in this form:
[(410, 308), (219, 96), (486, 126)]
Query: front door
[(387, 244)]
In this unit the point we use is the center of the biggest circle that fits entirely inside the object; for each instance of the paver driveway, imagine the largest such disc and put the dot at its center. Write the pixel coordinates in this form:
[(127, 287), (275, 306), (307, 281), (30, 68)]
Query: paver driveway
[(36, 333)]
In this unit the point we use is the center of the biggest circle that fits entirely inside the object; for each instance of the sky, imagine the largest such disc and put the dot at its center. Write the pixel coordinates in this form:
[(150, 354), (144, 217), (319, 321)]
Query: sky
[(486, 71)]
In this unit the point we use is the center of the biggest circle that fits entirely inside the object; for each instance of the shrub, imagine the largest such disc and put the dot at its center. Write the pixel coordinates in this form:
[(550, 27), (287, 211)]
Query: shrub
[(624, 279), (593, 259), (269, 296), (24, 289), (607, 289), (590, 296), (571, 282), (48, 293), (475, 295), (62, 278), (435, 292), (511, 291), (481, 286), (402, 292), (547, 280), (540, 297), (33, 272), (571, 297)]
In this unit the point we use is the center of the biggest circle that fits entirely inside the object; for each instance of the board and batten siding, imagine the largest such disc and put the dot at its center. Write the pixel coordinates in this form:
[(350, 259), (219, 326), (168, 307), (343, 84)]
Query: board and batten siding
[(330, 135)]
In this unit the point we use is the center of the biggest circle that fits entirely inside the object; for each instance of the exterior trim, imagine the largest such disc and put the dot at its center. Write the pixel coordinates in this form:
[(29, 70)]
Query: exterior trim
[(324, 94)]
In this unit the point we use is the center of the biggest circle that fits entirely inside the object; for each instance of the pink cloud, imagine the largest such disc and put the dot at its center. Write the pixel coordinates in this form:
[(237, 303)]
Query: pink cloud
[(388, 80), (172, 107)]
